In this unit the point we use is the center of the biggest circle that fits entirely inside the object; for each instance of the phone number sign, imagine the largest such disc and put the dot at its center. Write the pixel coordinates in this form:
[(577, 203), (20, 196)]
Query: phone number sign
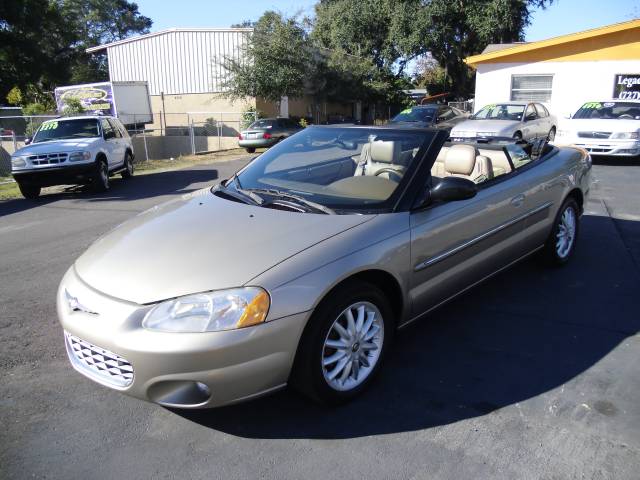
[(627, 86)]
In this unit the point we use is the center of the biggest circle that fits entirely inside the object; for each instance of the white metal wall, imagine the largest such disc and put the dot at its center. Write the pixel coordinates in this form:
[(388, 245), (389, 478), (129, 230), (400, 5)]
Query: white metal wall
[(574, 83), (176, 62)]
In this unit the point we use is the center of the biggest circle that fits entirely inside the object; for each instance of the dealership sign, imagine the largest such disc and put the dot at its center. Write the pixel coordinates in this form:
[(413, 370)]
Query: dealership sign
[(627, 86), (96, 98)]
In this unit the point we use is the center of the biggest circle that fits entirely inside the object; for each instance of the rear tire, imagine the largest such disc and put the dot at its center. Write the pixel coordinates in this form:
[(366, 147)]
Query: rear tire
[(128, 166), (336, 363), (563, 237), (250, 150), (29, 191), (101, 176)]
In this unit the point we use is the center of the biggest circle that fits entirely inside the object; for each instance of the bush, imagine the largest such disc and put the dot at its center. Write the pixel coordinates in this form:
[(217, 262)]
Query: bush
[(249, 116)]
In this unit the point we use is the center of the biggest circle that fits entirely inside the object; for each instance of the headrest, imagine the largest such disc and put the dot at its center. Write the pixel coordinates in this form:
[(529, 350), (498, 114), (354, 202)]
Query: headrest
[(385, 152), (460, 159)]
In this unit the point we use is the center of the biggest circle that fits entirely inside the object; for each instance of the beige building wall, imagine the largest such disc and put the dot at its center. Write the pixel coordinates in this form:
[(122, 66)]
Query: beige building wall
[(201, 105)]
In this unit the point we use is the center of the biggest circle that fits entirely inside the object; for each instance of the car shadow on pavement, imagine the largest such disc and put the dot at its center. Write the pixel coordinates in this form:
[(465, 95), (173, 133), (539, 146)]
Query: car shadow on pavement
[(523, 333), (616, 161), (135, 188)]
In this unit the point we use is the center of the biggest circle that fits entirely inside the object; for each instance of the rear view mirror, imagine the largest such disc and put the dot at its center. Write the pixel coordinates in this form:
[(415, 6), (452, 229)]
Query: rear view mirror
[(453, 188)]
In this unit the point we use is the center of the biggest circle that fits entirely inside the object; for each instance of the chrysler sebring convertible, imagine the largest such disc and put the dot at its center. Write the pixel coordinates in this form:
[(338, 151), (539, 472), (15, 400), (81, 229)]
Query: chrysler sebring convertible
[(299, 269)]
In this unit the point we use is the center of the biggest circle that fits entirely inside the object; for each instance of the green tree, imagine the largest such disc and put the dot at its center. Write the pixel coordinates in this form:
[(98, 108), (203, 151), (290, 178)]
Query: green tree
[(274, 62), (465, 27), (43, 42)]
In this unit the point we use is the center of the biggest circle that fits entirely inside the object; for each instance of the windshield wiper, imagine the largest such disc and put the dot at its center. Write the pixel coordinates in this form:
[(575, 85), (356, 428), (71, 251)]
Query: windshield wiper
[(296, 198), (244, 196)]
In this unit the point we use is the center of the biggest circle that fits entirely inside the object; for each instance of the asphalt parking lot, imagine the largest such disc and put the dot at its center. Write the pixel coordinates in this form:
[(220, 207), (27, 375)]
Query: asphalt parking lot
[(533, 375)]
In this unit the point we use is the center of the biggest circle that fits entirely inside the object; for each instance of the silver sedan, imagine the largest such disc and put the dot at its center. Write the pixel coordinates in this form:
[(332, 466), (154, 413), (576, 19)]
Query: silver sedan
[(518, 120), (299, 269)]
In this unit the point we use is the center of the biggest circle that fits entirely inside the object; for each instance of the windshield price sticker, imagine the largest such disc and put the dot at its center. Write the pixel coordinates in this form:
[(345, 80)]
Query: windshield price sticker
[(592, 105), (407, 110), (49, 126)]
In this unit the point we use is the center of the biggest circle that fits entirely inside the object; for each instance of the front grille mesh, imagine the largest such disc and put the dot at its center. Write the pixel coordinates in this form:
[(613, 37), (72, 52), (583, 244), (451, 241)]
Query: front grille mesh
[(98, 363), (600, 135), (48, 158)]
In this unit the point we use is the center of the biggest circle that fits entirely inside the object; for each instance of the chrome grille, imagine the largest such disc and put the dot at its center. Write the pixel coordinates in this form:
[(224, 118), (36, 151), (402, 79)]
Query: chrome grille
[(99, 364), (48, 158), (594, 134)]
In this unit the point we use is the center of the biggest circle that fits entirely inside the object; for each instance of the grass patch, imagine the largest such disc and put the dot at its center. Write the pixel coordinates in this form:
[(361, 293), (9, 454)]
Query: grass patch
[(9, 191), (183, 161)]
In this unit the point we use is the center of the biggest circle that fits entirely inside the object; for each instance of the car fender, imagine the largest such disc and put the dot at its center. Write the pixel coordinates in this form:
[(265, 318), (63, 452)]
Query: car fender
[(301, 282)]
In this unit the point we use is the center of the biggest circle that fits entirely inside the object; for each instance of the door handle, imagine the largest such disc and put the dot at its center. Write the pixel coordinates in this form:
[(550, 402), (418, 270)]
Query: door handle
[(517, 200)]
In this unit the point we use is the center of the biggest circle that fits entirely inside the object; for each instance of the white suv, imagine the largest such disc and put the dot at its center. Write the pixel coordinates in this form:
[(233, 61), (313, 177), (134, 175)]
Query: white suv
[(68, 150)]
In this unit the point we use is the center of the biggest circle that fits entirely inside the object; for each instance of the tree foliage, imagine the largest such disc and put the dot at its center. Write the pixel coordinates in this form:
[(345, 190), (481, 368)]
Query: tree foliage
[(43, 42), (275, 61)]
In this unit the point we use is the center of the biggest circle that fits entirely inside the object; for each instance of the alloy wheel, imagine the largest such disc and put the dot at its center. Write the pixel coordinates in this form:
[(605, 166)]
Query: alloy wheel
[(353, 346), (566, 232)]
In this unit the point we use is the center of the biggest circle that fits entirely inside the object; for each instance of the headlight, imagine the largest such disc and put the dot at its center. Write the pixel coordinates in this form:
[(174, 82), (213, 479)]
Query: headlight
[(79, 156), (210, 312), (624, 135), (18, 162)]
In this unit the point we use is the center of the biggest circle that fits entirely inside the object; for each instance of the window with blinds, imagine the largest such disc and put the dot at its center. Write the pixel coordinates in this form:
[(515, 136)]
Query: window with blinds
[(533, 88)]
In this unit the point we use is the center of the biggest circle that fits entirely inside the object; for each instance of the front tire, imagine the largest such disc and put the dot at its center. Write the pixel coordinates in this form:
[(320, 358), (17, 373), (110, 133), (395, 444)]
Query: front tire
[(563, 237), (101, 176), (128, 166), (517, 136), (552, 134), (29, 191), (344, 345)]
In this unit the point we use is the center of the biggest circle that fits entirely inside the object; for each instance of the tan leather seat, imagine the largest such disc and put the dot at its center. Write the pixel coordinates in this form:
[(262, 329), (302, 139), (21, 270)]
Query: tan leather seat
[(463, 161), (499, 161), (378, 155)]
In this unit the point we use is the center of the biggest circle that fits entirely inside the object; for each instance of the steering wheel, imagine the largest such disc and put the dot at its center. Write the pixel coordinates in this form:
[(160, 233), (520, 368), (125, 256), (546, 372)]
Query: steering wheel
[(388, 170)]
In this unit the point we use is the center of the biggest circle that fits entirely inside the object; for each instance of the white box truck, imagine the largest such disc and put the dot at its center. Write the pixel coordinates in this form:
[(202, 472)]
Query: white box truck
[(129, 101)]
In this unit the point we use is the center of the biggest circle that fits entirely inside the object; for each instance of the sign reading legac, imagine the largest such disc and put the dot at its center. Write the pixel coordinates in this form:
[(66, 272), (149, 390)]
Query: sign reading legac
[(627, 86)]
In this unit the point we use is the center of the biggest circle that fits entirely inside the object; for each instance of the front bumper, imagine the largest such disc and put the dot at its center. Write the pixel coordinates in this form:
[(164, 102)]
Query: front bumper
[(47, 177), (618, 148), (106, 342)]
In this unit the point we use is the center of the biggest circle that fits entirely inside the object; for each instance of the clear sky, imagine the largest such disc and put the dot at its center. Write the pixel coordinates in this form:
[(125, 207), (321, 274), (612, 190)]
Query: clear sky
[(562, 17)]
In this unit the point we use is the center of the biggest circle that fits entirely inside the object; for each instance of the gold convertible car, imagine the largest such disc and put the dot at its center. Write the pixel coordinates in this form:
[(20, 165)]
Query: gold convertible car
[(299, 269)]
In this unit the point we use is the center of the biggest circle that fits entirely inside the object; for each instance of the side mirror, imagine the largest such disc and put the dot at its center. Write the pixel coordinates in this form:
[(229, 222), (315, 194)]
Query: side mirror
[(531, 116), (27, 140), (453, 188), (108, 135)]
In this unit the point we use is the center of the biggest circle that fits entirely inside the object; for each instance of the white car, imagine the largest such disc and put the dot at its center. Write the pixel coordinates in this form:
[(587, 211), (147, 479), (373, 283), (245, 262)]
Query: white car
[(604, 128), (518, 120), (73, 150)]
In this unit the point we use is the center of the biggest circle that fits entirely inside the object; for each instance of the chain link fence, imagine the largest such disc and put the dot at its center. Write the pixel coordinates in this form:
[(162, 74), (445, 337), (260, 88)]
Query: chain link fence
[(167, 135)]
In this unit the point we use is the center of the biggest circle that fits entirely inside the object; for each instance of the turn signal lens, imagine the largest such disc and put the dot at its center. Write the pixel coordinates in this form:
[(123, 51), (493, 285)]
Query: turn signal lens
[(255, 312)]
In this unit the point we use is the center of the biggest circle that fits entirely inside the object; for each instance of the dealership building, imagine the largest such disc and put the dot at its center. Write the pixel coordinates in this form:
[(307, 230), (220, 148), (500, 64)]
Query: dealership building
[(563, 72)]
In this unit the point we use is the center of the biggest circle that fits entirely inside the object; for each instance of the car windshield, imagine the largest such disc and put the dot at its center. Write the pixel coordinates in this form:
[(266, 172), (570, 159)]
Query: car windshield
[(415, 114), (63, 129), (342, 168), (262, 124), (500, 111), (610, 110)]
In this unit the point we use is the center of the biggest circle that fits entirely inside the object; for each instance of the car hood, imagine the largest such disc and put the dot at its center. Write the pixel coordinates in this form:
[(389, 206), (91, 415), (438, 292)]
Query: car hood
[(200, 242), (601, 125), (57, 146), (484, 126)]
